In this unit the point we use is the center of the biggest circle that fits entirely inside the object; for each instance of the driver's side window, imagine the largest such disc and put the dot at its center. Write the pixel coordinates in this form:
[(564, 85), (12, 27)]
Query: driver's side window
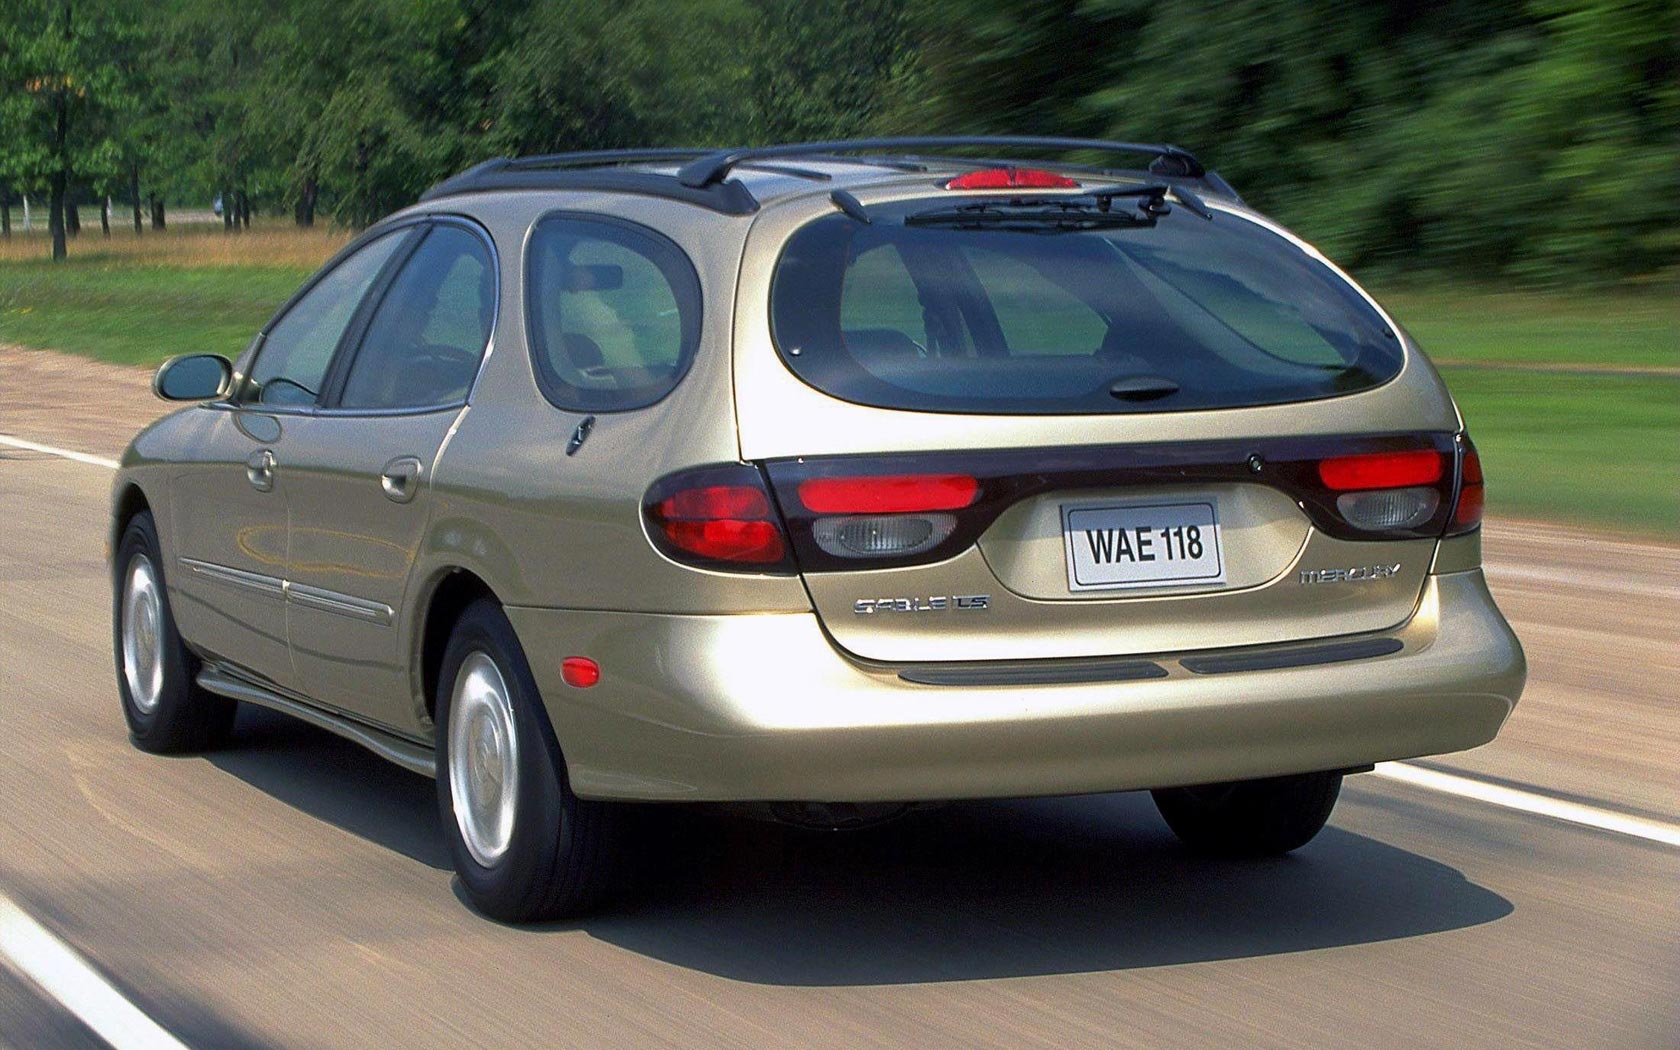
[(292, 362), (426, 337)]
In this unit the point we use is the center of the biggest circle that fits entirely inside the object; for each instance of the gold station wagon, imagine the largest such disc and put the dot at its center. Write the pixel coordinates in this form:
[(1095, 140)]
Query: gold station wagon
[(837, 477)]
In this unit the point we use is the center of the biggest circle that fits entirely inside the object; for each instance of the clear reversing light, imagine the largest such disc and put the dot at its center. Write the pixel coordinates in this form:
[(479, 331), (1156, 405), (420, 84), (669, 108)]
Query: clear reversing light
[(882, 536), (1385, 509)]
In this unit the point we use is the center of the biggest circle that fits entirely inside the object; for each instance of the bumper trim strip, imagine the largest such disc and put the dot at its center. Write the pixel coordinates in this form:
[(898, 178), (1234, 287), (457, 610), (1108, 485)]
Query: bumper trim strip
[(1335, 652), (1060, 673)]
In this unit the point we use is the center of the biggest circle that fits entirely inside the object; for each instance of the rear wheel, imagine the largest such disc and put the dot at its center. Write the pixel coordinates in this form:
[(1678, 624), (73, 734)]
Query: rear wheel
[(165, 709), (524, 846), (1250, 818)]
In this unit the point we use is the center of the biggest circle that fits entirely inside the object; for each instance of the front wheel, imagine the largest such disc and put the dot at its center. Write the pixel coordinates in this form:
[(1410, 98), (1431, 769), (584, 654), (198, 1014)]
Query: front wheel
[(165, 709), (525, 847), (1250, 818)]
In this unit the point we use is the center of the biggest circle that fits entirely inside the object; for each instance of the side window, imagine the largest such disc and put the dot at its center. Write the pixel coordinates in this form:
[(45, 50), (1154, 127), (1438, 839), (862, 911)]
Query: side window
[(297, 350), (614, 313), (429, 332)]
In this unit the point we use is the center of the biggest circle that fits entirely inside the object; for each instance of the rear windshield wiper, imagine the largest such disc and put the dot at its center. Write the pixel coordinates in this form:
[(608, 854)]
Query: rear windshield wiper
[(1087, 211), (1042, 216), (1154, 198)]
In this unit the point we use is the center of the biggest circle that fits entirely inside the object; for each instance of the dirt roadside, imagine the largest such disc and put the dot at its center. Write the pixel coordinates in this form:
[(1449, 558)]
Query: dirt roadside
[(1598, 614)]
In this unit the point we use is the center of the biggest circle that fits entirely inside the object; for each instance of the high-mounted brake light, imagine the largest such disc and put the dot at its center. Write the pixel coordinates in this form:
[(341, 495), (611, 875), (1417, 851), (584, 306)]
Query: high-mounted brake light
[(1011, 179), (1382, 470), (892, 494), (719, 517)]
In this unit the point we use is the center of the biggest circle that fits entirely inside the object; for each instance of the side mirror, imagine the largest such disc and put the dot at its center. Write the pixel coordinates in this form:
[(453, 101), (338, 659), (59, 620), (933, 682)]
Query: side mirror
[(193, 377)]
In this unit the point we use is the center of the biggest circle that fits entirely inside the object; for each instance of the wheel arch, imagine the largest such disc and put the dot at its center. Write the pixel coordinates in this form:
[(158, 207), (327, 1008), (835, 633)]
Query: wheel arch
[(446, 596), (128, 502)]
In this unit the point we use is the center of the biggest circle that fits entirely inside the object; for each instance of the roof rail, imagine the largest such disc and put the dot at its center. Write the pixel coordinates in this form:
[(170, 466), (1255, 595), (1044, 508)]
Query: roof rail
[(703, 178), (600, 158), (713, 168), (603, 170)]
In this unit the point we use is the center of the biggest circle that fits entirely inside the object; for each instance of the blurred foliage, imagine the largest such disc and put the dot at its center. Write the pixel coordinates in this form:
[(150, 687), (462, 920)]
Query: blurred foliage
[(1485, 137), (1537, 139)]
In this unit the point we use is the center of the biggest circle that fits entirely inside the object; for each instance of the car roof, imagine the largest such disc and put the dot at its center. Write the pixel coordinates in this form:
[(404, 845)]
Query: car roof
[(740, 181)]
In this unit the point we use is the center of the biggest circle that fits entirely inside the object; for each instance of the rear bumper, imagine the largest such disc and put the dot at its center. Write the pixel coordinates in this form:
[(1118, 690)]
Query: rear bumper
[(765, 708)]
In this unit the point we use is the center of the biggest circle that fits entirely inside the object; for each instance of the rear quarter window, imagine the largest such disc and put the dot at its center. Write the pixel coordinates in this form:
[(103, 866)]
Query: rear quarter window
[(613, 311), (1045, 321)]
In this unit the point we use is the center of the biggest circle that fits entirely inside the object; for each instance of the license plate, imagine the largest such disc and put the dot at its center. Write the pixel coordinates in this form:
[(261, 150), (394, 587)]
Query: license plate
[(1142, 545)]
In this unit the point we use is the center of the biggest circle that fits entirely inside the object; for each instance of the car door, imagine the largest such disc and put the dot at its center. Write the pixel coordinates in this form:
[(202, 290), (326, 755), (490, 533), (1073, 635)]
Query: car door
[(229, 506), (359, 472)]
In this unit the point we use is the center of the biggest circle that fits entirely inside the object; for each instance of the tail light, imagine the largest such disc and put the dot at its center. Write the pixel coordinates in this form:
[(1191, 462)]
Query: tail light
[(1390, 491), (885, 516), (844, 513), (1467, 513), (718, 517), (1403, 491), (1382, 470), (888, 494)]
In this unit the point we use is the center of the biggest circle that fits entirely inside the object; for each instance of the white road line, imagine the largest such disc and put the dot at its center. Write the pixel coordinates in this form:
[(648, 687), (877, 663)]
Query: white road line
[(58, 970), (79, 457), (1529, 802), (1417, 776)]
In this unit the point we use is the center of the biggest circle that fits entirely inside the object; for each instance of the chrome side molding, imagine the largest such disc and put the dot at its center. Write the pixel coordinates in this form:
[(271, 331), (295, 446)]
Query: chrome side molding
[(298, 593)]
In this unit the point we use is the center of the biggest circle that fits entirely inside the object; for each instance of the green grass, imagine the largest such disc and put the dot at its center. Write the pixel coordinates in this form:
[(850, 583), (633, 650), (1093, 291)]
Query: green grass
[(1590, 327), (139, 313), (1595, 450)]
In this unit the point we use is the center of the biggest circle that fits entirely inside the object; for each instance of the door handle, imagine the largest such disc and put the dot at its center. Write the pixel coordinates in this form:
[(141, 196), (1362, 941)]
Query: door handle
[(401, 479), (259, 470)]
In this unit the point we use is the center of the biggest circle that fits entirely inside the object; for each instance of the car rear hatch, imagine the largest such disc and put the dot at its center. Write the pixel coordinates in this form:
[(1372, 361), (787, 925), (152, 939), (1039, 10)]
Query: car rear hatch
[(1074, 425)]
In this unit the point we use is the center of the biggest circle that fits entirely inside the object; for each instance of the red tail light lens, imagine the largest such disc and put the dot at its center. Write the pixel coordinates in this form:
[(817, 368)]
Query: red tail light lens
[(717, 517), (1472, 493), (714, 502), (891, 494), (1382, 470), (1011, 178)]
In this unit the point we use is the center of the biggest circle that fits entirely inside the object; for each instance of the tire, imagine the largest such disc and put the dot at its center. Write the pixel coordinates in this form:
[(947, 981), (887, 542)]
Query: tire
[(1250, 818), (166, 711), (534, 852)]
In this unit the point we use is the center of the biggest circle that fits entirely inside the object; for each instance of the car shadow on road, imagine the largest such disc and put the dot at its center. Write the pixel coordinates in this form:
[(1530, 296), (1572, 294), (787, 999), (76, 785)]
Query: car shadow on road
[(963, 892), (1009, 889), (336, 781)]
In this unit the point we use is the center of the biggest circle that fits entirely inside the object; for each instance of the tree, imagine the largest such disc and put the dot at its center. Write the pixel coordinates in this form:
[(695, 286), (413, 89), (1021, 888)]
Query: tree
[(68, 68)]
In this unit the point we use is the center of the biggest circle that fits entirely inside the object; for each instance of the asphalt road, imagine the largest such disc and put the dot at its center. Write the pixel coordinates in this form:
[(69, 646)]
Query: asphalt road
[(293, 891)]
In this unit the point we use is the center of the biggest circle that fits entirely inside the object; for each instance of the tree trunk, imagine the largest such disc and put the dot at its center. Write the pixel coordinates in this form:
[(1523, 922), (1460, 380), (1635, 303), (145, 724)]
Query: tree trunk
[(134, 192), (55, 220), (304, 213), (227, 210), (72, 216), (105, 217), (243, 217)]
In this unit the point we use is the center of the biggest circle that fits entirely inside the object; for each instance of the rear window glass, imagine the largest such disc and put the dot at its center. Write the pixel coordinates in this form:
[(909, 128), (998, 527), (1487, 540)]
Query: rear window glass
[(1048, 320), (614, 312)]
